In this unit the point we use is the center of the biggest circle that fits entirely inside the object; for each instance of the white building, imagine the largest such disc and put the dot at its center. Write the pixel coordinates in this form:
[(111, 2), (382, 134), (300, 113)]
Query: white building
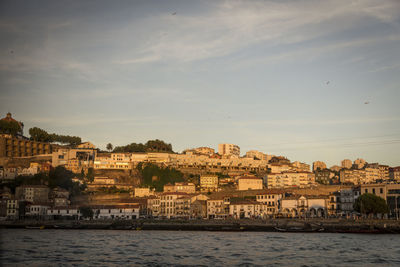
[(241, 209), (121, 212)]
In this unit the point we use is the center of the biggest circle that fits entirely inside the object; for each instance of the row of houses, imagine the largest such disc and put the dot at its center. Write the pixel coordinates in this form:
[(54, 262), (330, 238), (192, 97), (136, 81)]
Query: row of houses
[(17, 209), (256, 204)]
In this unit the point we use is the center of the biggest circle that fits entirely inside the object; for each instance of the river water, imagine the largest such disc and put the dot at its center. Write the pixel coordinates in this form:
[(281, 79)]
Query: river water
[(22, 247)]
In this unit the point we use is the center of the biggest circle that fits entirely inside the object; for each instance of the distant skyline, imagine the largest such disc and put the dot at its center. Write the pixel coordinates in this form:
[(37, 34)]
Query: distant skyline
[(309, 80)]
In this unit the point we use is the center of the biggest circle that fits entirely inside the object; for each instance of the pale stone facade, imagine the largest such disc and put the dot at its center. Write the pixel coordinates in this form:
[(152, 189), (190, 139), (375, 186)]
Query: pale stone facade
[(209, 183), (250, 183), (229, 150)]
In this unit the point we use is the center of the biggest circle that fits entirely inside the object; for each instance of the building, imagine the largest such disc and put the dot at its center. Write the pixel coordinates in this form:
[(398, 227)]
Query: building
[(394, 174), (37, 210), (346, 163), (12, 211), (209, 183), (355, 177), (271, 199), (153, 206), (250, 183), (257, 155), (229, 150), (244, 208), (206, 151), (143, 192), (59, 197), (86, 145), (63, 212), (371, 175), (33, 193), (218, 207), (18, 147), (323, 176), (319, 165), (118, 211), (289, 179), (183, 187), (75, 160), (300, 166), (305, 206), (347, 198), (168, 203), (360, 163), (198, 209), (335, 168)]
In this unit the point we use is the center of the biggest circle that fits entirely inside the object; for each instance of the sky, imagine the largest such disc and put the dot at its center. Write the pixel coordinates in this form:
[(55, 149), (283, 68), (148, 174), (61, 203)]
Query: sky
[(309, 80)]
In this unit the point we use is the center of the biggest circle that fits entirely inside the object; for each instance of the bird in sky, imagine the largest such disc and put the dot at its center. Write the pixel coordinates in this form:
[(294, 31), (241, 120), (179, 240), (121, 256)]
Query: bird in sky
[(173, 14), (366, 103), (12, 51), (327, 82)]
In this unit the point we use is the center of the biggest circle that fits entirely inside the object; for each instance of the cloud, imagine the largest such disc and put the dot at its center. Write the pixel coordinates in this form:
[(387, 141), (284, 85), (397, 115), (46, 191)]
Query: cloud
[(232, 26)]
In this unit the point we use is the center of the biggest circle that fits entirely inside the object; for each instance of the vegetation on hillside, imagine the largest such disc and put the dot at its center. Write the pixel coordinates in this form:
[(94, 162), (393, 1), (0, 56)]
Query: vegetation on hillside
[(41, 135), (149, 146), (156, 177), (57, 177)]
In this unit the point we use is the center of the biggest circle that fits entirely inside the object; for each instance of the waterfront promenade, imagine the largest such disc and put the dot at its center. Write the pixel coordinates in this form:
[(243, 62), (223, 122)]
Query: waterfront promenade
[(280, 225)]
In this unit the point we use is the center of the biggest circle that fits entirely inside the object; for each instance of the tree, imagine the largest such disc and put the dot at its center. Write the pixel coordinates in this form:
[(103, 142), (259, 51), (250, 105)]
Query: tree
[(109, 147), (370, 204), (86, 212), (10, 127), (39, 135)]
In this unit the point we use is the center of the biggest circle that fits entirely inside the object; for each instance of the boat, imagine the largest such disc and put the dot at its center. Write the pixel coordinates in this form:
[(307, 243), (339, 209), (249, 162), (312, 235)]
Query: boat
[(299, 229), (35, 227)]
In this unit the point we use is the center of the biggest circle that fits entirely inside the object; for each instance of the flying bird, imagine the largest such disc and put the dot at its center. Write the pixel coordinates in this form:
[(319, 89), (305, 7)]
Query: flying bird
[(173, 14), (327, 82), (366, 103), (12, 51)]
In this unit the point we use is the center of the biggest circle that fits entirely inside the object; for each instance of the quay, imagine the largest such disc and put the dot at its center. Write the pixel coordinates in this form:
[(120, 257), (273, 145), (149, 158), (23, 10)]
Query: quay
[(276, 225)]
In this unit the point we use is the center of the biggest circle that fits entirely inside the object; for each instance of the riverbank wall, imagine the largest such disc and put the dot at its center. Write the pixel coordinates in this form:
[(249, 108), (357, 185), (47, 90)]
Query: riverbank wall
[(276, 225)]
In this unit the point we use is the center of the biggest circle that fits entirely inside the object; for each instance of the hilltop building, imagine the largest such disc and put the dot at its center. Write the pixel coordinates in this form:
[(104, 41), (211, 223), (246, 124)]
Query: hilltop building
[(229, 150)]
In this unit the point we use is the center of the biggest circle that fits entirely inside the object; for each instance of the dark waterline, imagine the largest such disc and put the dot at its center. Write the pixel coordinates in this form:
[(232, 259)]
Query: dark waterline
[(22, 247)]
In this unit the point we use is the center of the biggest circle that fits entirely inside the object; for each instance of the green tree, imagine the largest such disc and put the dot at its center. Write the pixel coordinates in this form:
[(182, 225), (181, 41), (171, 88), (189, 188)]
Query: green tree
[(164, 175), (9, 127), (109, 147), (86, 212), (39, 135), (370, 204)]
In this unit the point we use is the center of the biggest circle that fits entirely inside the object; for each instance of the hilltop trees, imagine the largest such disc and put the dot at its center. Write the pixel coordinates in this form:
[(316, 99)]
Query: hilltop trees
[(149, 146), (10, 127), (41, 135), (109, 147)]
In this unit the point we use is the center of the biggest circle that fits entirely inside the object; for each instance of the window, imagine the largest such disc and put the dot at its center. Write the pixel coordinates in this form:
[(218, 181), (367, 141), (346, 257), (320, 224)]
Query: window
[(381, 190), (366, 190), (373, 191)]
